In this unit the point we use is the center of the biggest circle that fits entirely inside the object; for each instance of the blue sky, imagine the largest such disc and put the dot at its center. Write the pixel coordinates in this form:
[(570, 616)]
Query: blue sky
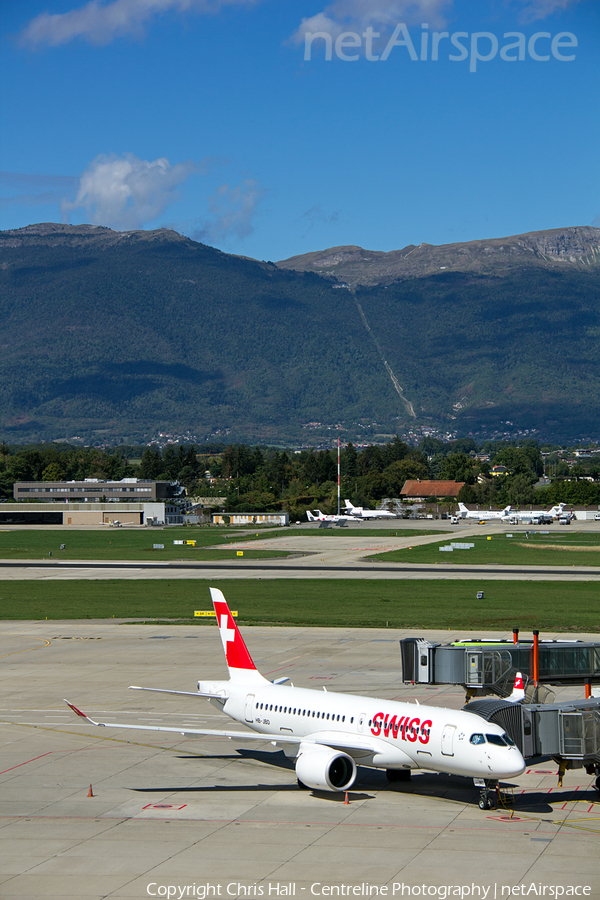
[(205, 116)]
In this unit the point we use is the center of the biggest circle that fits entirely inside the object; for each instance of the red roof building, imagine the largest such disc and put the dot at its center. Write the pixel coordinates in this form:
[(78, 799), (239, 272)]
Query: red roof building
[(421, 490)]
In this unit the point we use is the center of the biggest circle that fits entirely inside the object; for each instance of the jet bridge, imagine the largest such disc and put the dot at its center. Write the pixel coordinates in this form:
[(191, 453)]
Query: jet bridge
[(489, 667), (569, 732)]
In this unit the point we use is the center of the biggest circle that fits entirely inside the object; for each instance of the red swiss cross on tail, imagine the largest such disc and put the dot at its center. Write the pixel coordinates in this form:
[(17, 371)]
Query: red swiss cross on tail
[(238, 659)]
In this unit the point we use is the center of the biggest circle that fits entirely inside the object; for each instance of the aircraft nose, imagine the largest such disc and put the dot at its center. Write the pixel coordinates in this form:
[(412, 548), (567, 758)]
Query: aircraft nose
[(513, 763)]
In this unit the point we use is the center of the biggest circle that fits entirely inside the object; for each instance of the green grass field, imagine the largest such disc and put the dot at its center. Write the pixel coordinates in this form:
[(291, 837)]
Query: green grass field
[(354, 603), (130, 544), (573, 549), (137, 543)]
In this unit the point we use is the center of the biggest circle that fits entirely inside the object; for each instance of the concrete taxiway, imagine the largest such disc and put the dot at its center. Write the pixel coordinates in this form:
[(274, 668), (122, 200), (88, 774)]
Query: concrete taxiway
[(335, 553), (188, 814)]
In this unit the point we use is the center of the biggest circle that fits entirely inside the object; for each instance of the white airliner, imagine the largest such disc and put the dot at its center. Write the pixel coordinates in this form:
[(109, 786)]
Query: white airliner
[(359, 512), (482, 515), (316, 515), (328, 733)]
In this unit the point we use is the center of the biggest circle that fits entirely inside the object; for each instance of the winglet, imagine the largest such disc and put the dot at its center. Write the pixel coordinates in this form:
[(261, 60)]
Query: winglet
[(81, 714)]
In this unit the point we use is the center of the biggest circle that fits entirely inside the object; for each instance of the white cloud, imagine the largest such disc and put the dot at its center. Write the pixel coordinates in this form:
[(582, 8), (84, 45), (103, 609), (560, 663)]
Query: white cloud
[(99, 22), (125, 192), (355, 15), (541, 9), (232, 212)]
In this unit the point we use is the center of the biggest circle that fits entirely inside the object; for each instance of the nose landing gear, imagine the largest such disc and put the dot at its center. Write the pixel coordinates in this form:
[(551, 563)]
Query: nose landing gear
[(488, 798)]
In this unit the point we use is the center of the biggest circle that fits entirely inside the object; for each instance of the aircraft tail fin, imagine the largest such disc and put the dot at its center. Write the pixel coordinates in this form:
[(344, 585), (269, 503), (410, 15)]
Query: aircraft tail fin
[(314, 516), (463, 508), (239, 661), (506, 510), (518, 691), (348, 505)]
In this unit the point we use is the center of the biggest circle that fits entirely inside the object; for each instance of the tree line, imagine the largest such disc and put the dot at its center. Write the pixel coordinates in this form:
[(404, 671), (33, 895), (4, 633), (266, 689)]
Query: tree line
[(262, 479)]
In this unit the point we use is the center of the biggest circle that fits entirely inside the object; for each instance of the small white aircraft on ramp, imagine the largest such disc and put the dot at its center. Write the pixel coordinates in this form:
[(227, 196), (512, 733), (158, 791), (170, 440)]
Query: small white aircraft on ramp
[(482, 515), (359, 512), (315, 515), (329, 733), (555, 513)]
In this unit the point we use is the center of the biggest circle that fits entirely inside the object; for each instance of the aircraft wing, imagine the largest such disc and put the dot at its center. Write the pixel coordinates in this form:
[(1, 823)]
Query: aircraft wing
[(185, 730), (344, 742), (134, 687)]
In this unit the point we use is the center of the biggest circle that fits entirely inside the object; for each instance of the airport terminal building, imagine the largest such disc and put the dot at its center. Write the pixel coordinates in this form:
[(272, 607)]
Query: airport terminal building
[(92, 501), (91, 490)]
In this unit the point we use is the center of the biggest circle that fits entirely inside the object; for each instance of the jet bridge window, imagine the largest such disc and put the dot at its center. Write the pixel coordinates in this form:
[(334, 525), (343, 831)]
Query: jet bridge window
[(477, 739)]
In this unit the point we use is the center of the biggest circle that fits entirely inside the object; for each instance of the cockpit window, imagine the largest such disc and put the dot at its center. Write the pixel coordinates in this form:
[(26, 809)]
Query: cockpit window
[(477, 739), (496, 739), (509, 740)]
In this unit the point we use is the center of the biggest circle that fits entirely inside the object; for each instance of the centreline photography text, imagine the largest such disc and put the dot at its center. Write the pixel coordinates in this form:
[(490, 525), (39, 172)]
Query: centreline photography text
[(236, 889)]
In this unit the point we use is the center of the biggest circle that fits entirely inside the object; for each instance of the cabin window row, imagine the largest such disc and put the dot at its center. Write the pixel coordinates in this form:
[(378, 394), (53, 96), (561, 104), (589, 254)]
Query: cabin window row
[(296, 711)]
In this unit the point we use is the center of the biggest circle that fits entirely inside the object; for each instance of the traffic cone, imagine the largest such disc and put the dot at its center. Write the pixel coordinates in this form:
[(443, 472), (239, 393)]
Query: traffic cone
[(90, 792), (346, 801)]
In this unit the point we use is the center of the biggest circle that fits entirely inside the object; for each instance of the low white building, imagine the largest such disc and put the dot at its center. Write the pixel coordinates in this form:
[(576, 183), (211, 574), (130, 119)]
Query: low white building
[(74, 514), (251, 519)]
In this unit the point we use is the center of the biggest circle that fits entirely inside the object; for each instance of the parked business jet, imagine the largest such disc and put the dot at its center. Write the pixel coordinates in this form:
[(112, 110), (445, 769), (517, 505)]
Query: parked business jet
[(359, 512), (482, 515), (555, 513), (329, 733), (316, 515)]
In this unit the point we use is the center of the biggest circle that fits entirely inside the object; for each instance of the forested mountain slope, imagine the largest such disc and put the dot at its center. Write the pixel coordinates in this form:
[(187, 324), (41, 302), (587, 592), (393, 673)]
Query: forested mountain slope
[(107, 334)]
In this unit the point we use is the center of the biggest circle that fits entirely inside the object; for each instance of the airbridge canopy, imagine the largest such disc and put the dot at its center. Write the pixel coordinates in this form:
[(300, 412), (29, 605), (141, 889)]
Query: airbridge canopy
[(570, 731), (490, 667)]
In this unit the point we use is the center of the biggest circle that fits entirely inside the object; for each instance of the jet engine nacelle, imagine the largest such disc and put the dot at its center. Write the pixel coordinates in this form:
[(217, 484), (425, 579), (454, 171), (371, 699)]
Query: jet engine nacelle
[(326, 769)]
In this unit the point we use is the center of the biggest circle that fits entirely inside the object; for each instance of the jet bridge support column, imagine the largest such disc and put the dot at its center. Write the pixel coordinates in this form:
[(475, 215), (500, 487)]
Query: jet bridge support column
[(535, 669)]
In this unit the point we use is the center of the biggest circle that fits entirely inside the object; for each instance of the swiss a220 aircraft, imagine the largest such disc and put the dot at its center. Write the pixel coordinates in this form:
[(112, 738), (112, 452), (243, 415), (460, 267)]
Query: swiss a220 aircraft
[(328, 733)]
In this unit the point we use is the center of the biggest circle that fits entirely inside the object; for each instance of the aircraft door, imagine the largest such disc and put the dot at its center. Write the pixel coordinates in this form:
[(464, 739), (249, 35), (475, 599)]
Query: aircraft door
[(248, 714), (361, 721), (448, 740)]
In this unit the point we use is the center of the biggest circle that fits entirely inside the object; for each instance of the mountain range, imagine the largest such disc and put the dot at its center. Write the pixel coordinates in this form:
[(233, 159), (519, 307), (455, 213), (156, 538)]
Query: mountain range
[(556, 250), (110, 336)]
